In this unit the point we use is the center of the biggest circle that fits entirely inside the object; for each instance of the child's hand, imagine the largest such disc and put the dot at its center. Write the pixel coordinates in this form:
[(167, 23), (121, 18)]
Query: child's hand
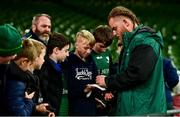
[(51, 114), (42, 107), (108, 96), (29, 96), (100, 80), (88, 89)]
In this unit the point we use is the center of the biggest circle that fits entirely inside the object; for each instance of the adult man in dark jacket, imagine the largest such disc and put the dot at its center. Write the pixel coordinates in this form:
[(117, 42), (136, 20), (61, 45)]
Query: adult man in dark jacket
[(10, 44), (40, 29)]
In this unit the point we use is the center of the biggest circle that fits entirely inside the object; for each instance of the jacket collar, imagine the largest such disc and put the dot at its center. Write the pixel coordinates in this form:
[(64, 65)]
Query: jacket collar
[(127, 36)]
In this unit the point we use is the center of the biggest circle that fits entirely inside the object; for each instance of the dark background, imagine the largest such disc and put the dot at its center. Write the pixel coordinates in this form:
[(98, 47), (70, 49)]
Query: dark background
[(69, 16)]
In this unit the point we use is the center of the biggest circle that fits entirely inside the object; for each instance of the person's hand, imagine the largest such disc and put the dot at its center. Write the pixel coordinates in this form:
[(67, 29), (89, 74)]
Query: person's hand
[(51, 114), (108, 96), (88, 88), (6, 59), (100, 80), (29, 96), (42, 107)]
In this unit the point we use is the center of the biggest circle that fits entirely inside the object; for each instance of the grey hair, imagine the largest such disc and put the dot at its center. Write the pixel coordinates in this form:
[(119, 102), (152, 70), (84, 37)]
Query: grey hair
[(37, 16)]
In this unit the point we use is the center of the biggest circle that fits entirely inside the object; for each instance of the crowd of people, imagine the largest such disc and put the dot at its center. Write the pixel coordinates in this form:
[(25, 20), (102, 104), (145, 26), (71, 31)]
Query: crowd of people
[(40, 76)]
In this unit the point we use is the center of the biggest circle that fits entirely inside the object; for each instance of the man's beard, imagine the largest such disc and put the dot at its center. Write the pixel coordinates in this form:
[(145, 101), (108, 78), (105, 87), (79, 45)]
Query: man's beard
[(44, 38)]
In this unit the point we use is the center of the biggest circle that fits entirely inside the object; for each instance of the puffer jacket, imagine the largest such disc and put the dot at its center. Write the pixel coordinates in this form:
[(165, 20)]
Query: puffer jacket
[(17, 83)]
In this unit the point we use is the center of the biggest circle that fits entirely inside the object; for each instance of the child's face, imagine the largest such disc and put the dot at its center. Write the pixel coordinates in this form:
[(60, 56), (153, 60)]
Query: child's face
[(39, 60), (83, 49), (63, 53), (99, 47)]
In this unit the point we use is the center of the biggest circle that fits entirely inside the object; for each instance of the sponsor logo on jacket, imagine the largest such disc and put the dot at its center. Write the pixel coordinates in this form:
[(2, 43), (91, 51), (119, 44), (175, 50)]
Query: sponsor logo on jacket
[(83, 74)]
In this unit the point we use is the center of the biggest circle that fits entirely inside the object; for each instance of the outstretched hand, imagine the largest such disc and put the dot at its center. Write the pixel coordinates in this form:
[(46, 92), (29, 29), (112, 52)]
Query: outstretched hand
[(42, 107), (108, 96), (100, 80), (29, 96), (51, 114), (88, 88)]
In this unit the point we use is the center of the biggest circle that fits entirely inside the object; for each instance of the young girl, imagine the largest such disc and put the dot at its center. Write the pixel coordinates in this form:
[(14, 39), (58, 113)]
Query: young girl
[(22, 86)]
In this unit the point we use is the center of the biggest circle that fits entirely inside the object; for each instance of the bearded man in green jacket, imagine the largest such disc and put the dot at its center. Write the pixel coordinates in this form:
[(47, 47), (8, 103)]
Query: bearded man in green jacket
[(139, 83)]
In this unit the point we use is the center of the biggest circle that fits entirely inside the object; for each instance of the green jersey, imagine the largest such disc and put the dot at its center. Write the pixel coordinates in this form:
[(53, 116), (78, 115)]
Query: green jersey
[(102, 61)]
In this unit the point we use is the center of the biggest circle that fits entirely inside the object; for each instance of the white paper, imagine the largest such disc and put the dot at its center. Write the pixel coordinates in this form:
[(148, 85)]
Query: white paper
[(97, 86)]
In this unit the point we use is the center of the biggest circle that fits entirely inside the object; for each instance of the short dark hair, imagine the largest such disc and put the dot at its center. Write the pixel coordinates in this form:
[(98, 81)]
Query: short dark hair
[(56, 40), (103, 34)]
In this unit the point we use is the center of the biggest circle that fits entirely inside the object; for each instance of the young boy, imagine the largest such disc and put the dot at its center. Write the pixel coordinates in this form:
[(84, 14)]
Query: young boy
[(22, 87), (101, 55), (81, 71), (51, 71), (103, 36)]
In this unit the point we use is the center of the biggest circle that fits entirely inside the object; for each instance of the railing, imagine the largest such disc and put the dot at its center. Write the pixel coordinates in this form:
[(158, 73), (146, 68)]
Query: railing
[(172, 112)]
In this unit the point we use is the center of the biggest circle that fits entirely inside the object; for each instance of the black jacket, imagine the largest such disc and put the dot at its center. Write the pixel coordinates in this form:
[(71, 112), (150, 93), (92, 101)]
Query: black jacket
[(32, 35), (3, 69), (51, 84)]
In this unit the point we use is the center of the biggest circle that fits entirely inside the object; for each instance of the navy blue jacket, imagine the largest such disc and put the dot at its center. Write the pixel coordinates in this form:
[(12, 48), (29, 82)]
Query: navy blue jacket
[(79, 74), (171, 78), (16, 85)]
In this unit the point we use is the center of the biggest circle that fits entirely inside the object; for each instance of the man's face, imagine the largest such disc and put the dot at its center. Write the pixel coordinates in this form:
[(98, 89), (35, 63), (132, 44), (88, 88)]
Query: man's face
[(82, 47), (118, 26), (43, 28)]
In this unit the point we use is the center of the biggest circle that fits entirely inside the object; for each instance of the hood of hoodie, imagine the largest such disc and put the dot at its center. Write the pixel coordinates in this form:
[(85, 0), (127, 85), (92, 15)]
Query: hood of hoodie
[(146, 31)]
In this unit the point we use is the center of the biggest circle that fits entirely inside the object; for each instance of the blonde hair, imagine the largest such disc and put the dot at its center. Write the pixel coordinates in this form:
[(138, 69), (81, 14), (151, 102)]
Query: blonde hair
[(31, 49), (87, 35)]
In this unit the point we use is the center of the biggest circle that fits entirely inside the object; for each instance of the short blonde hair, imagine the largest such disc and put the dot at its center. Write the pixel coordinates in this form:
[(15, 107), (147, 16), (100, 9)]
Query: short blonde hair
[(87, 35), (31, 49)]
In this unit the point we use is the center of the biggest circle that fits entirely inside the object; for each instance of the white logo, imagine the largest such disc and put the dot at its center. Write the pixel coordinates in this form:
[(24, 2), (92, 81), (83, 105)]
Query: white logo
[(107, 58), (83, 74), (99, 57)]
